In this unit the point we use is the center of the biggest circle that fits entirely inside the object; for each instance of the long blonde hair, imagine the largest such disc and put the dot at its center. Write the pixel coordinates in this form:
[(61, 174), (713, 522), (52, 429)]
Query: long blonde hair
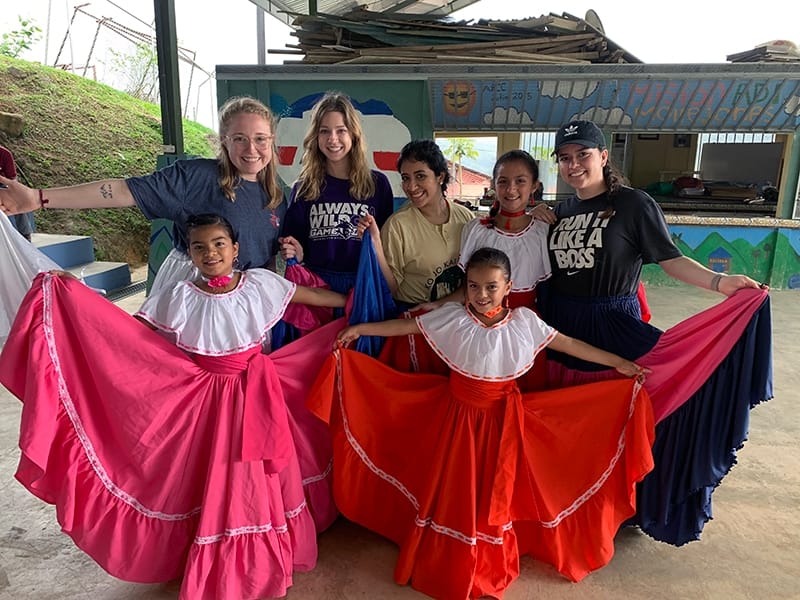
[(312, 173), (229, 176)]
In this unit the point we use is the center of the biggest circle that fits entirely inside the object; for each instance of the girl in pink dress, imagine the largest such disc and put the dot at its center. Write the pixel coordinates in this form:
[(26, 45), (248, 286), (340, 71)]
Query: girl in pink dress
[(179, 458)]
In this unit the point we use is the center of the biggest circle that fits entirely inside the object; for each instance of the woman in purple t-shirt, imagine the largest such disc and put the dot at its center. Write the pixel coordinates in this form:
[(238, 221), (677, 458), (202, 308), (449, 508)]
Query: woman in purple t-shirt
[(335, 190)]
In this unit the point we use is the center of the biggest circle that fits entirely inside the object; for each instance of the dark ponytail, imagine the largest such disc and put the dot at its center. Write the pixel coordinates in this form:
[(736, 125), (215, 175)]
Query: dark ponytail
[(615, 181)]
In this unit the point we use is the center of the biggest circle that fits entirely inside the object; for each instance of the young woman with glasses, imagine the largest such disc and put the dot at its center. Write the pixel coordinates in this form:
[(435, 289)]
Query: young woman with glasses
[(241, 184)]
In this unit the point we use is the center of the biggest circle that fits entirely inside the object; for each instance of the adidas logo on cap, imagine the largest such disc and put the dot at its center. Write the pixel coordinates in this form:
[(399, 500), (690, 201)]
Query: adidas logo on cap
[(584, 133)]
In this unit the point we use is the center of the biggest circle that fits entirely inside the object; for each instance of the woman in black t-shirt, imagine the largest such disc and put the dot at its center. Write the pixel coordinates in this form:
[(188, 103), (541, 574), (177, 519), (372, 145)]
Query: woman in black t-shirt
[(599, 240)]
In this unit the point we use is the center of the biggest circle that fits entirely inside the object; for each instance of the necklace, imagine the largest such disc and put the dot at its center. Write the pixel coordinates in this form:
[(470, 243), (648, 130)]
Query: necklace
[(220, 281), (489, 314), (493, 312), (511, 215)]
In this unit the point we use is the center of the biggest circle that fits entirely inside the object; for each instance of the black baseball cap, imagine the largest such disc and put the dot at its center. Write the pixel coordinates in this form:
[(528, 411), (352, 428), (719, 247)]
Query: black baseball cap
[(583, 133)]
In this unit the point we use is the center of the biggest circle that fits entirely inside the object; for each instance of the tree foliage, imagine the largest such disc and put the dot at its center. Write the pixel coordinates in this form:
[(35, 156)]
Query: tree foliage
[(15, 42), (139, 70), (457, 150)]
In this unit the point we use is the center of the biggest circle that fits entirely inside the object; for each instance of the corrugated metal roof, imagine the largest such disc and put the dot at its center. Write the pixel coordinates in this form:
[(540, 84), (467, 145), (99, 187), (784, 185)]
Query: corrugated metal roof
[(286, 10)]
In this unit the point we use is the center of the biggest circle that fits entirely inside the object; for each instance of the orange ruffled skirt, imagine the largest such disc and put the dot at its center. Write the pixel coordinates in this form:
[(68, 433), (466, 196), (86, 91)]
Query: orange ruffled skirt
[(466, 476)]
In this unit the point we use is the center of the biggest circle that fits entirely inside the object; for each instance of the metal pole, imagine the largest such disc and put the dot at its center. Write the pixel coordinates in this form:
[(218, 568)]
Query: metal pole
[(261, 42), (788, 198), (169, 81), (47, 30)]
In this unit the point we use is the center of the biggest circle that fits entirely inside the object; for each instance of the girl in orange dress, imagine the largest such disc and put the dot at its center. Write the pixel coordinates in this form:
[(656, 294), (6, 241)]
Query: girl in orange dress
[(464, 472)]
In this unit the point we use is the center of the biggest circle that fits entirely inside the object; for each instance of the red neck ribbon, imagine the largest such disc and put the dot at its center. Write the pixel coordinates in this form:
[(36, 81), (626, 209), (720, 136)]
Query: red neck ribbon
[(511, 215)]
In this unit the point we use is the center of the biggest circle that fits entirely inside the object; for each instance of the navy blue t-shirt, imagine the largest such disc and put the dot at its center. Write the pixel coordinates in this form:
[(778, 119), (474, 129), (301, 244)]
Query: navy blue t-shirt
[(191, 187)]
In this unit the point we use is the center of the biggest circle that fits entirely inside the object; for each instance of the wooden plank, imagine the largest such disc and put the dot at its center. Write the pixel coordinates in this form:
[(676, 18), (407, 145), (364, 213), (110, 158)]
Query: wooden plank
[(475, 46), (567, 47), (337, 47), (545, 58), (367, 37)]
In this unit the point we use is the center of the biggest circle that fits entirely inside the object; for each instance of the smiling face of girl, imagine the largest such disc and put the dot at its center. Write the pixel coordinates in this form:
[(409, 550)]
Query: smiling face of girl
[(212, 250), (487, 287), (514, 184)]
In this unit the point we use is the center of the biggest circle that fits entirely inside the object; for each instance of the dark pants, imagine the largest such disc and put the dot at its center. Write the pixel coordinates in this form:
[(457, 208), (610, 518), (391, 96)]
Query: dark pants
[(24, 224)]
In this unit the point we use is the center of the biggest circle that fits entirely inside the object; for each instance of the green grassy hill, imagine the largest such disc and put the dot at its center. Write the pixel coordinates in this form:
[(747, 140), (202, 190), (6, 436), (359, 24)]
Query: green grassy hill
[(76, 131)]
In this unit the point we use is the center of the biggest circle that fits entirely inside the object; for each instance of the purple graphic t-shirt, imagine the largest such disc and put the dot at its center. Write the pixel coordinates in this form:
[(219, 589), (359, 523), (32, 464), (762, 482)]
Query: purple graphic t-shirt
[(327, 227)]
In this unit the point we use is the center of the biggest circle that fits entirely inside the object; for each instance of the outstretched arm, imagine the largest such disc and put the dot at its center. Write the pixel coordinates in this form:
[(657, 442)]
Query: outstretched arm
[(318, 297), (394, 327), (107, 193), (692, 272), (578, 349), (458, 296)]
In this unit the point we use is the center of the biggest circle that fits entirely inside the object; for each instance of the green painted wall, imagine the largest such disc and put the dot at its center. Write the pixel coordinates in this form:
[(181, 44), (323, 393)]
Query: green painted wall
[(768, 254)]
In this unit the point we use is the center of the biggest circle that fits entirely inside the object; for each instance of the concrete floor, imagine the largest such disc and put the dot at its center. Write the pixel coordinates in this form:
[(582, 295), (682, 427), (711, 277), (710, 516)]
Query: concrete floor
[(751, 550)]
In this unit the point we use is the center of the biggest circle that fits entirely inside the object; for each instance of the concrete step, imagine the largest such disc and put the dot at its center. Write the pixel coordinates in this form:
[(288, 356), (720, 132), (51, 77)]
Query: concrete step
[(75, 253), (67, 250), (102, 275)]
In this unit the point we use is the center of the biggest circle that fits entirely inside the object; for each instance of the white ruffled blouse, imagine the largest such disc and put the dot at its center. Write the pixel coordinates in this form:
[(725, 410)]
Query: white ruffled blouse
[(220, 324), (500, 352), (526, 249)]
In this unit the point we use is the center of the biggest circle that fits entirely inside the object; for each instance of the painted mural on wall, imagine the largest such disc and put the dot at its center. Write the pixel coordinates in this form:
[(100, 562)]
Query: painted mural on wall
[(384, 133), (679, 104), (771, 255)]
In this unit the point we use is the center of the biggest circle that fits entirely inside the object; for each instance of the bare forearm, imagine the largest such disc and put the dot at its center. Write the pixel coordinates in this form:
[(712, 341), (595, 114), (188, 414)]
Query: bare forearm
[(692, 272), (107, 193), (584, 351), (318, 297), (394, 327), (688, 271)]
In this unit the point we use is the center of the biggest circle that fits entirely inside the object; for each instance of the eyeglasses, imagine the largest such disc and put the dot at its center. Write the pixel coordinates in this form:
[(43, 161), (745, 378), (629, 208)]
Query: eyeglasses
[(259, 141)]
